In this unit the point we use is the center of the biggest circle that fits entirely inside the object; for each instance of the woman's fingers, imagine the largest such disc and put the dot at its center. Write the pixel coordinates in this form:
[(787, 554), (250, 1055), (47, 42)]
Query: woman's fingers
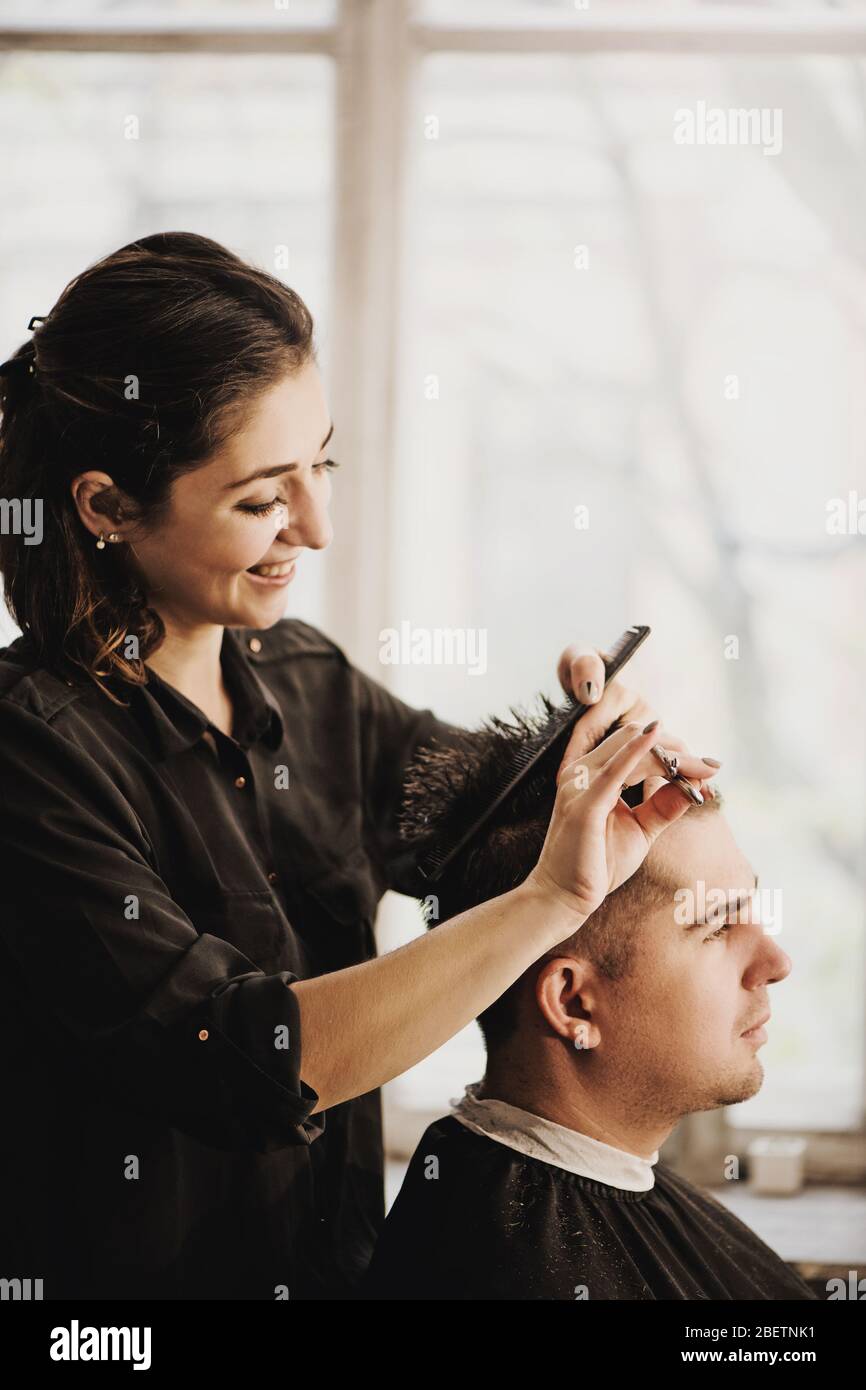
[(652, 784), (608, 781), (660, 810), (692, 768), (616, 703), (689, 765), (598, 756), (581, 672)]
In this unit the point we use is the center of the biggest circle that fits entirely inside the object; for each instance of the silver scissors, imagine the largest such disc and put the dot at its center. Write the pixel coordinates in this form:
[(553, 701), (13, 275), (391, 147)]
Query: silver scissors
[(670, 763)]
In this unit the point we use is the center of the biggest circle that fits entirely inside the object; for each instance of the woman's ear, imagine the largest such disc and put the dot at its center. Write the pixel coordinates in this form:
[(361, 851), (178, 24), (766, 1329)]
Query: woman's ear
[(99, 502), (566, 993)]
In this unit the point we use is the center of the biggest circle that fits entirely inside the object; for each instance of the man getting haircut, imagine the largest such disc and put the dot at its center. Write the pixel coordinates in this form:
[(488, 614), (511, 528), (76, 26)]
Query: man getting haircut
[(544, 1181)]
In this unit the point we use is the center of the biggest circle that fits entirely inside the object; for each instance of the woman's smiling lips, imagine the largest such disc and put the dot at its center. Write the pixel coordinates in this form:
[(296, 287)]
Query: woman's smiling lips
[(272, 576)]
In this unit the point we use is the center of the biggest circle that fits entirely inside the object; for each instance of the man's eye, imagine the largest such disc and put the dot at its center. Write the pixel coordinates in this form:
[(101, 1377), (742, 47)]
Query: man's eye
[(714, 936)]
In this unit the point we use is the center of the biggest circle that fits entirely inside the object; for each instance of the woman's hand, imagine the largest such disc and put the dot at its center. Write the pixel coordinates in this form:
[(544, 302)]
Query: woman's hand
[(581, 671), (595, 841)]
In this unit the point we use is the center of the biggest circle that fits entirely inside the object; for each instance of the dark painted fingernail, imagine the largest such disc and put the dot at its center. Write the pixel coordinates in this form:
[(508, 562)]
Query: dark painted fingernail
[(649, 728), (713, 762), (588, 692)]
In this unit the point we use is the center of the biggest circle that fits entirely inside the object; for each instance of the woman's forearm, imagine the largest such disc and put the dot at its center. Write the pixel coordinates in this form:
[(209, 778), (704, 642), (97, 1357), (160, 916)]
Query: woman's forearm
[(366, 1024)]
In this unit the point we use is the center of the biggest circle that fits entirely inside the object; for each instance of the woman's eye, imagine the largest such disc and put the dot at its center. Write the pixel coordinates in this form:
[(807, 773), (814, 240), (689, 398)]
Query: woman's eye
[(714, 936), (265, 508), (262, 508)]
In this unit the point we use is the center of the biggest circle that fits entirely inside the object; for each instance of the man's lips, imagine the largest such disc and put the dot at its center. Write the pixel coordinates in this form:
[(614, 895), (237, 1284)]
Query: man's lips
[(759, 1023)]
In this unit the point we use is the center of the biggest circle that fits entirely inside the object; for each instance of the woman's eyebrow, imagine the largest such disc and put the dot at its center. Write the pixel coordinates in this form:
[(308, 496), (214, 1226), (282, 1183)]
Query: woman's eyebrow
[(276, 470)]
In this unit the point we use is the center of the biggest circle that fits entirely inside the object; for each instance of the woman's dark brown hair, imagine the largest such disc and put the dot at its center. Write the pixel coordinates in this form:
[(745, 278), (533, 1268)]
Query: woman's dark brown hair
[(148, 362)]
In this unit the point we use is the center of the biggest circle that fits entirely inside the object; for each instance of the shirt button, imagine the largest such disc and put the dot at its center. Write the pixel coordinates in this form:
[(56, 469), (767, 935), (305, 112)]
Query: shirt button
[(272, 877), (240, 782), (255, 644), (203, 1035)]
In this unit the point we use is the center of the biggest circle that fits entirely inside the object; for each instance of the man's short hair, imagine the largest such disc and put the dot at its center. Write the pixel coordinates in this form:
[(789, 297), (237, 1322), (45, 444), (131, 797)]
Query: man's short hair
[(445, 790)]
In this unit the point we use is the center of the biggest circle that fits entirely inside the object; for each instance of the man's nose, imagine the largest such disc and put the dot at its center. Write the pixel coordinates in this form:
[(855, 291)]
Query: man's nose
[(768, 962)]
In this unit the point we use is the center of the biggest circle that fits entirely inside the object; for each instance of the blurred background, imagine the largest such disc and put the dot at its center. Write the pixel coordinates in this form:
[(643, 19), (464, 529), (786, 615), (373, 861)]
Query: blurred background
[(583, 373)]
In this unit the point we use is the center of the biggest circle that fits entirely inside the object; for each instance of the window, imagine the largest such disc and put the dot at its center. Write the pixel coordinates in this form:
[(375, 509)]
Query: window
[(671, 336)]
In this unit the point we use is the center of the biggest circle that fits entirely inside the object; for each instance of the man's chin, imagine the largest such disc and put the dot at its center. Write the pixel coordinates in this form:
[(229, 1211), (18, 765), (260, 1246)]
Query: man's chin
[(731, 1089), (743, 1087)]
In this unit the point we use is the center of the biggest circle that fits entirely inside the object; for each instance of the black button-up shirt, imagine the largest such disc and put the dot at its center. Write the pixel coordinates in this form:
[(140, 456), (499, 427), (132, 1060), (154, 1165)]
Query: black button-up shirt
[(162, 887)]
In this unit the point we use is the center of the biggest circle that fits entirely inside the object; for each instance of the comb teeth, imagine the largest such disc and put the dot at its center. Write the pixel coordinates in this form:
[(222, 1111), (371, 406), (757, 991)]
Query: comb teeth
[(523, 759), (519, 764)]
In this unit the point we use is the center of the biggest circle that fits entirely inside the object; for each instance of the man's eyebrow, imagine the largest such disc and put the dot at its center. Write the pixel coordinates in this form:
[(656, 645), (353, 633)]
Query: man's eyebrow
[(732, 907), (277, 469)]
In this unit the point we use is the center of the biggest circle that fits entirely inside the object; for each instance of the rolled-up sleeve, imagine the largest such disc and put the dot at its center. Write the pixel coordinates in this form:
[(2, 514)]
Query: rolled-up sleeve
[(391, 732), (180, 1023)]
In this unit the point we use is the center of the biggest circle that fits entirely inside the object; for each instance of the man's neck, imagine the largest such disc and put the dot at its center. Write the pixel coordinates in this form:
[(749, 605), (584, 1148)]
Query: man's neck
[(559, 1095)]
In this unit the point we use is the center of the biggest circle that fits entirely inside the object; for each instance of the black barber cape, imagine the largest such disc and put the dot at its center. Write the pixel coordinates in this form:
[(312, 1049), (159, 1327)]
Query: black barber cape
[(161, 887), (476, 1219)]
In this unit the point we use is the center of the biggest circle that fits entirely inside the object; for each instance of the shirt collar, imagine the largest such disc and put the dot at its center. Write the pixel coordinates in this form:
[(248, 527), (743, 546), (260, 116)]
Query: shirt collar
[(177, 724), (555, 1144)]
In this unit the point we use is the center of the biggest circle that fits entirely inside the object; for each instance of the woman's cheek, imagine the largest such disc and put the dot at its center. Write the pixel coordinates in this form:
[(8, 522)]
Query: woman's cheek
[(249, 538)]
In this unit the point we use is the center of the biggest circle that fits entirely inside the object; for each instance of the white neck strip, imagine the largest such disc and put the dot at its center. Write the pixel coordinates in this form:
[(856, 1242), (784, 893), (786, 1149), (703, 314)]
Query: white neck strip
[(551, 1143)]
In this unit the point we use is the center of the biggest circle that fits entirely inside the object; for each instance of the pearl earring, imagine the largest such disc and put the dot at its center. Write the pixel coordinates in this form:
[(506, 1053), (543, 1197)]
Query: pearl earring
[(113, 537)]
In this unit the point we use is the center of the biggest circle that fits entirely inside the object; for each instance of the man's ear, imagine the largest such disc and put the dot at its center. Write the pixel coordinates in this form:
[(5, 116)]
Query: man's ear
[(566, 993)]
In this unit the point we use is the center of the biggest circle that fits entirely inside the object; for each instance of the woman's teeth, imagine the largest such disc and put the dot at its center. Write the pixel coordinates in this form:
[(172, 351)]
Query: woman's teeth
[(268, 571)]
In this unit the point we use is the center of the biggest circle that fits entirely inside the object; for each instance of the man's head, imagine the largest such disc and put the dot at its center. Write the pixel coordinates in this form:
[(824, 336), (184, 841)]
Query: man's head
[(657, 1005)]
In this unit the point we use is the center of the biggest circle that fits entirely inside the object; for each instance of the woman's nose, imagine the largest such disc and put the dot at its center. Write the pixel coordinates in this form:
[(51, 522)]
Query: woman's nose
[(306, 521)]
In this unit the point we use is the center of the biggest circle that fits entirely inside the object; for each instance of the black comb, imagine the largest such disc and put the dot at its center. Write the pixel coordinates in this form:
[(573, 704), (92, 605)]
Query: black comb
[(522, 761)]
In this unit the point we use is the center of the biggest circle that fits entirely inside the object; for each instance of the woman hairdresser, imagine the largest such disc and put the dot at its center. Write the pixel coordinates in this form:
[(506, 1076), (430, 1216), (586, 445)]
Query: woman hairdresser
[(198, 804)]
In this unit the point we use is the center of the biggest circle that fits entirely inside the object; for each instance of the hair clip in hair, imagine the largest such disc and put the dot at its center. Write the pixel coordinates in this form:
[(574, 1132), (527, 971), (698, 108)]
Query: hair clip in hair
[(36, 318)]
